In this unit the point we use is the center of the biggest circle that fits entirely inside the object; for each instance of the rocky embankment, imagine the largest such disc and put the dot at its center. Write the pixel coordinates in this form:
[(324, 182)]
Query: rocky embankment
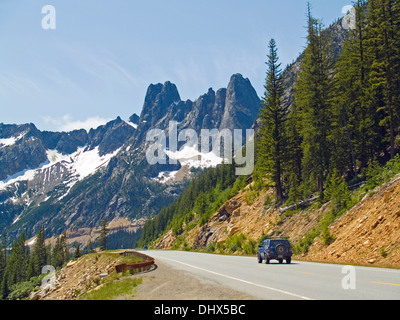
[(368, 234)]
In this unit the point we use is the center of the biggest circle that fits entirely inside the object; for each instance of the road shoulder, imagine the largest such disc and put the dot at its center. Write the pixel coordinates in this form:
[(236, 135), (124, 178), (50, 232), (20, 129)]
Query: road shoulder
[(167, 283)]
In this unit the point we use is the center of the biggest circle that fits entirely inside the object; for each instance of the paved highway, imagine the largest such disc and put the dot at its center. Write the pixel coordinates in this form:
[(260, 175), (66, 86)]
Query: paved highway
[(296, 281)]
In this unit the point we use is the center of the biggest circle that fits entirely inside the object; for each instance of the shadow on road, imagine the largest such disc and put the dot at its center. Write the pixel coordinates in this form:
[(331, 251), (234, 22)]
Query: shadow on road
[(279, 264)]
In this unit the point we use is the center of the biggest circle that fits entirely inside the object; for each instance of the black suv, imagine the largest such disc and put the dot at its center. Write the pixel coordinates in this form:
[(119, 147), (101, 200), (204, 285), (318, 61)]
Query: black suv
[(278, 249)]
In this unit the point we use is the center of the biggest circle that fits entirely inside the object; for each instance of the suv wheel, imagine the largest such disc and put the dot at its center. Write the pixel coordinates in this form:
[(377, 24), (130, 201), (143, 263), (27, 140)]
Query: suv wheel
[(259, 259), (280, 249), (288, 261)]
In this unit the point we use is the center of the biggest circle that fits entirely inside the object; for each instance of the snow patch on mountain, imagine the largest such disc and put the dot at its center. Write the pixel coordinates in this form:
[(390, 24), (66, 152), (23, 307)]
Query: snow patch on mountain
[(190, 156), (134, 125), (24, 175), (6, 142), (166, 176), (86, 163), (54, 156), (79, 164)]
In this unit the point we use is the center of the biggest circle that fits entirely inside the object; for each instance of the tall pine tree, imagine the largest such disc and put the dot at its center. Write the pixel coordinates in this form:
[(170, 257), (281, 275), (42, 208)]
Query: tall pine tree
[(17, 263), (293, 165), (103, 234), (354, 127), (60, 253), (38, 256), (273, 131), (382, 45), (312, 97)]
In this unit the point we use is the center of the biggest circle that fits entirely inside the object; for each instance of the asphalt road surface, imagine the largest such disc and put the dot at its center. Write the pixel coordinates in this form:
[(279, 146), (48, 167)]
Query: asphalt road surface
[(297, 281)]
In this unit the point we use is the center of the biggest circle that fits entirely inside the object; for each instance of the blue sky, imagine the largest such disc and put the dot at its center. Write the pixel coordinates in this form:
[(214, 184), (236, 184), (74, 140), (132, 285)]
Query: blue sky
[(98, 62)]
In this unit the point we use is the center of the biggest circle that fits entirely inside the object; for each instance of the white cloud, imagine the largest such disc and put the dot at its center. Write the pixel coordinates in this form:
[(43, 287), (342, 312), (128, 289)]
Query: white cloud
[(66, 123)]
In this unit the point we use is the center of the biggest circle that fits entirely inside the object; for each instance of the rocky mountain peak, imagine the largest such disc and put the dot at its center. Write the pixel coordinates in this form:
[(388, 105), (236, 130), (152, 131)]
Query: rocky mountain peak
[(170, 93), (134, 119), (242, 104), (158, 102), (110, 136), (152, 92), (21, 147), (239, 84)]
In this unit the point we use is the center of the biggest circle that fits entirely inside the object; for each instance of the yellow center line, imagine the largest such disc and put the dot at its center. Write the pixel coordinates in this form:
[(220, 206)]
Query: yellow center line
[(389, 284)]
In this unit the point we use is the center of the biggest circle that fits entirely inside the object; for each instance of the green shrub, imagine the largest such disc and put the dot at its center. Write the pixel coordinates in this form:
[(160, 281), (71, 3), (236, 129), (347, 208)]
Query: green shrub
[(250, 247), (210, 248), (21, 290), (384, 253), (234, 243), (377, 175), (338, 193), (304, 244), (112, 289)]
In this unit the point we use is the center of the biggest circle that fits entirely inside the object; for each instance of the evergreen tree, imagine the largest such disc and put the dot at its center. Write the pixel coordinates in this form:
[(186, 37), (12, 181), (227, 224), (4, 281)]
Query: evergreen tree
[(17, 263), (103, 234), (48, 254), (383, 48), (4, 289), (4, 245), (272, 151), (2, 262), (89, 247), (65, 247), (38, 257), (354, 128), (337, 192), (312, 96), (78, 252), (293, 167), (3, 265), (60, 253)]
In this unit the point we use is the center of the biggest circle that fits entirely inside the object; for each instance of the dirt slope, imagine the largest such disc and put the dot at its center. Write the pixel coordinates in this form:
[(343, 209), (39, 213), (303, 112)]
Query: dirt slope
[(369, 233)]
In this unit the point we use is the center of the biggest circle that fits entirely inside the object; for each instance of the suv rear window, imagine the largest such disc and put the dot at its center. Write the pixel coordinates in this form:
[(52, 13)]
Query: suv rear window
[(274, 243)]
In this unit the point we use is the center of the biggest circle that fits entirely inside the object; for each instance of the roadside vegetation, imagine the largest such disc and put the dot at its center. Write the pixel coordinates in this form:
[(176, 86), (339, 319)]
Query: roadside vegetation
[(342, 199)]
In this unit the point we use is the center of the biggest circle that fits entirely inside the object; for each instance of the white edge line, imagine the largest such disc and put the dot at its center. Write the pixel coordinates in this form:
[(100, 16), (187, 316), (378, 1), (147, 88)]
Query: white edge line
[(241, 280)]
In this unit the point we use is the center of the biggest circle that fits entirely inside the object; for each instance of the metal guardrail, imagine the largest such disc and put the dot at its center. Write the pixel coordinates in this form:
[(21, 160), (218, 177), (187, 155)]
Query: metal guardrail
[(146, 265)]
